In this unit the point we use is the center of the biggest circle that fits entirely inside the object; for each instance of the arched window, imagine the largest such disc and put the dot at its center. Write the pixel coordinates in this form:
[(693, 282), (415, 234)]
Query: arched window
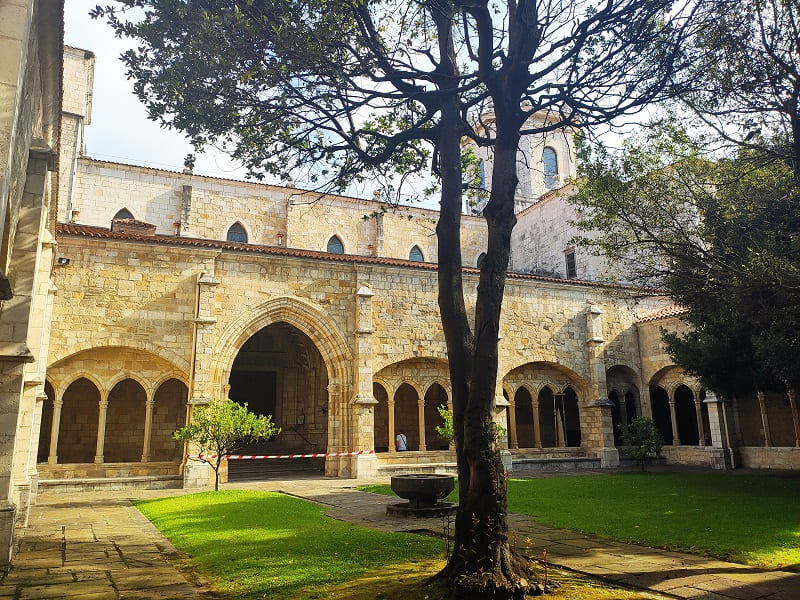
[(550, 161), (335, 245), (123, 213), (237, 234), (416, 254), (481, 260)]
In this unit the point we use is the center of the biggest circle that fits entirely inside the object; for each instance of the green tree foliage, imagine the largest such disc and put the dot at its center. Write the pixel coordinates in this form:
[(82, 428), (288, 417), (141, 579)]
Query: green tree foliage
[(643, 439), (218, 428), (721, 237), (744, 75), (445, 431), (335, 91)]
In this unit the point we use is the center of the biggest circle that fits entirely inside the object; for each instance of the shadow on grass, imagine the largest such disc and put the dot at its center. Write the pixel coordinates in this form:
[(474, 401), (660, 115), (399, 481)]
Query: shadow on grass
[(743, 517), (253, 544)]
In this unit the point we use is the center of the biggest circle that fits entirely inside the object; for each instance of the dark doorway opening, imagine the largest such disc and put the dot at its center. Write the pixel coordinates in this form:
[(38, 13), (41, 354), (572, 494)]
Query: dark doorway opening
[(280, 372)]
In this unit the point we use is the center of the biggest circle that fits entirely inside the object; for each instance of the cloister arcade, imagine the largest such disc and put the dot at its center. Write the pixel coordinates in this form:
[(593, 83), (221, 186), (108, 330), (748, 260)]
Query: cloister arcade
[(127, 420), (678, 411), (544, 405), (408, 394), (112, 405), (120, 405)]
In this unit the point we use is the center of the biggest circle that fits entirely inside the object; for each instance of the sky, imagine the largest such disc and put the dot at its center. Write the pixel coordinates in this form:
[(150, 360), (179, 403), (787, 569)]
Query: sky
[(120, 130)]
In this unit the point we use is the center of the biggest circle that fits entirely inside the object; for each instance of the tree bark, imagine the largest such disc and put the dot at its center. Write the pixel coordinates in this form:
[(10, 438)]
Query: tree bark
[(483, 564)]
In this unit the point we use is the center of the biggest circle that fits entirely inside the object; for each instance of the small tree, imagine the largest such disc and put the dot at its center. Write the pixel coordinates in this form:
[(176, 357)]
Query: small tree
[(445, 431), (219, 427), (643, 438)]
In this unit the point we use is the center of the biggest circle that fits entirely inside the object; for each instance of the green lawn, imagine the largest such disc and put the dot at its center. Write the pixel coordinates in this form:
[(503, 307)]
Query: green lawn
[(262, 544), (753, 519)]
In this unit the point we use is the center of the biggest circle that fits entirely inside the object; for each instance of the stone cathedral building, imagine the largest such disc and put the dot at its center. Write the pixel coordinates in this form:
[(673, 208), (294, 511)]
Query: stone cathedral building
[(138, 293)]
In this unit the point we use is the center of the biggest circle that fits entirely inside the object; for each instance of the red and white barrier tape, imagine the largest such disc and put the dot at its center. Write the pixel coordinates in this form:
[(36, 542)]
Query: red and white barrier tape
[(264, 456)]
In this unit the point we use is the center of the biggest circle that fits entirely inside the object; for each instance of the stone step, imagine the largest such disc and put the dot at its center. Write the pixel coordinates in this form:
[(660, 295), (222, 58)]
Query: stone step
[(253, 470), (550, 465), (535, 453), (95, 484), (107, 470)]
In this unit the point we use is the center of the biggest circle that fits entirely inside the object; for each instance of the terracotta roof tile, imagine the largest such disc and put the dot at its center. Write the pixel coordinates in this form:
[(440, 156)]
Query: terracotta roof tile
[(673, 310), (102, 233)]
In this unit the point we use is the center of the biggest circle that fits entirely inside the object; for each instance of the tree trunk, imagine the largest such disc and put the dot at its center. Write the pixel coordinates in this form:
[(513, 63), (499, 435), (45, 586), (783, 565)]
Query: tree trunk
[(483, 564), (216, 472)]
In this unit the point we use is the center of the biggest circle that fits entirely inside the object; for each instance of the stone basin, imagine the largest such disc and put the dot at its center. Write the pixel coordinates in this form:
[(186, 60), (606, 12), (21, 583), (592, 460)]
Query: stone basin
[(423, 490)]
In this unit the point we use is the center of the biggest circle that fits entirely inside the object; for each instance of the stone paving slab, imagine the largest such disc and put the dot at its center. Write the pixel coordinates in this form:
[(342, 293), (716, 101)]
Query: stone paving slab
[(90, 546)]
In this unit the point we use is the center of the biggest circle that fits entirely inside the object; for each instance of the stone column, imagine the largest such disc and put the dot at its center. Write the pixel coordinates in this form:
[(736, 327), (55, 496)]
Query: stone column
[(512, 426), (101, 428), (201, 386), (390, 408), (720, 444), (558, 422), (58, 402), (148, 428), (698, 408), (673, 417), (364, 403), (421, 422), (644, 401), (597, 424), (762, 404), (197, 474), (792, 393), (500, 418), (623, 409), (537, 427)]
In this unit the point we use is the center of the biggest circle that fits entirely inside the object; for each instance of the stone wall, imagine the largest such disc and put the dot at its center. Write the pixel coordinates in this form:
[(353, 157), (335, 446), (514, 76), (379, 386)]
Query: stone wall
[(653, 354), (31, 37), (543, 237), (754, 457), (698, 456), (134, 303), (136, 295)]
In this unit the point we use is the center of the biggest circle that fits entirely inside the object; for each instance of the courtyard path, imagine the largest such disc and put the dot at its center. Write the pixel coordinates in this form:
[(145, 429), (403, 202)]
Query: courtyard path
[(94, 546), (97, 546)]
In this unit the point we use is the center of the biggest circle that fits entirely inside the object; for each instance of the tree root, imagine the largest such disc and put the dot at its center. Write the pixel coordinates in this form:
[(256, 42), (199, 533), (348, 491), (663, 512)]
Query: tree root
[(514, 580)]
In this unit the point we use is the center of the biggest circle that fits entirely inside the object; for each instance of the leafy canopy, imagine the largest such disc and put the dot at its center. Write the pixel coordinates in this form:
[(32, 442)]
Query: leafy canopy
[(643, 439)]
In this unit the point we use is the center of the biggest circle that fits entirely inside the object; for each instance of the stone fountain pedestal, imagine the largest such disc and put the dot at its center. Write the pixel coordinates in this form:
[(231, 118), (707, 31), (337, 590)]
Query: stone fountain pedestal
[(424, 492)]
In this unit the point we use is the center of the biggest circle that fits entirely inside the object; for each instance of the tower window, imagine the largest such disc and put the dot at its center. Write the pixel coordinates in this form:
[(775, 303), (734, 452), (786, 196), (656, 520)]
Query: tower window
[(237, 234), (572, 270), (481, 260), (123, 213), (335, 245), (416, 254), (550, 161)]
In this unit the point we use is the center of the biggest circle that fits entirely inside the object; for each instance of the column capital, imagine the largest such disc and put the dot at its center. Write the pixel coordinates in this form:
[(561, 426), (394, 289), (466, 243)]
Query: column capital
[(365, 399)]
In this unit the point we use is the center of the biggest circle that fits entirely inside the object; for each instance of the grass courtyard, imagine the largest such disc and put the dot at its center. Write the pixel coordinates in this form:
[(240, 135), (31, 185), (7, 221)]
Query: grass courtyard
[(747, 518), (252, 545)]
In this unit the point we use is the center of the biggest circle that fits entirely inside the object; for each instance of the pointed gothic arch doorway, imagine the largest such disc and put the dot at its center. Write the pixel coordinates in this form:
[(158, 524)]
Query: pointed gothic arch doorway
[(279, 371)]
